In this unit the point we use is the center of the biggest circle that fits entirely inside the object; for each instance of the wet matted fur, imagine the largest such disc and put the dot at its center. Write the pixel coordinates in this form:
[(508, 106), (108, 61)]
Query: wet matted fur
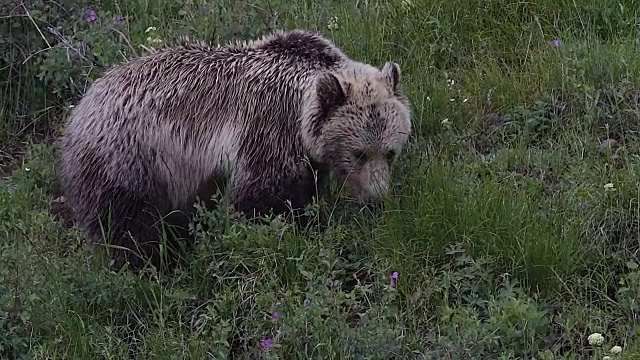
[(272, 118)]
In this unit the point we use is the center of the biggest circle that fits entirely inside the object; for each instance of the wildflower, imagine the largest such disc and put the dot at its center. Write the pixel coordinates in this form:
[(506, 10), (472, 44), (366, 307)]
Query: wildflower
[(152, 40), (306, 303), (333, 23), (450, 82), (90, 15), (394, 277), (118, 19), (275, 315), (609, 186), (445, 121), (616, 350), (266, 343), (556, 42), (465, 100), (596, 339), (606, 358)]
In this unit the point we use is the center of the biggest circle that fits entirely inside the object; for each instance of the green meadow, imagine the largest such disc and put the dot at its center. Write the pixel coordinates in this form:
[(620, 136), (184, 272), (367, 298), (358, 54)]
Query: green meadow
[(512, 230)]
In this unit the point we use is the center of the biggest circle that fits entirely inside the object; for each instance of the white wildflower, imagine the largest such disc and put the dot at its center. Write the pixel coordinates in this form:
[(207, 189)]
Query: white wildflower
[(407, 4), (333, 23), (596, 339), (152, 38), (616, 349)]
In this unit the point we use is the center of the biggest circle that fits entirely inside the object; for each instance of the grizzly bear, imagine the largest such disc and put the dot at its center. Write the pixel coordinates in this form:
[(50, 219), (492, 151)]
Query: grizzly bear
[(271, 118)]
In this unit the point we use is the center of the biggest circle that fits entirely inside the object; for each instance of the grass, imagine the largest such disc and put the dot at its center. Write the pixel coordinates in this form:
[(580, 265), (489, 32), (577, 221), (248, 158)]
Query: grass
[(513, 223)]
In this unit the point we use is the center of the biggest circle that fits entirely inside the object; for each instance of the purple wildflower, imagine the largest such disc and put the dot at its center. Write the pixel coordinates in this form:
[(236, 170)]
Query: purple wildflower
[(267, 343), (306, 303), (394, 277), (118, 19), (275, 315), (90, 15), (556, 42)]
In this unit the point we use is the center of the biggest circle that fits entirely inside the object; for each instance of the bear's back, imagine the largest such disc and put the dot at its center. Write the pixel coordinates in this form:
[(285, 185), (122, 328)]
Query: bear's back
[(174, 79), (189, 104)]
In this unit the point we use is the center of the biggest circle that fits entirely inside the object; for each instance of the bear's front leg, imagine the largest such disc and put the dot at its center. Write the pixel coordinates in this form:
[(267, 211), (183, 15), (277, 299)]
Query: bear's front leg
[(279, 191)]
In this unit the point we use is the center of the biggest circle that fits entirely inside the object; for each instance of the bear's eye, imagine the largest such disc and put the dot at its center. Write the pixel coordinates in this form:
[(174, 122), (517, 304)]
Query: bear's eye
[(360, 156), (391, 154)]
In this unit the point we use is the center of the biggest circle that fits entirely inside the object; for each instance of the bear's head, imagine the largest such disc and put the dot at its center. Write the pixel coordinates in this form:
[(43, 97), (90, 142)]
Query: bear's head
[(361, 122)]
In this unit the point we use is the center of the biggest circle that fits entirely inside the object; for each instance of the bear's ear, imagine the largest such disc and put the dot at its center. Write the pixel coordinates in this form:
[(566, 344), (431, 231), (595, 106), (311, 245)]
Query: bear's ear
[(330, 92), (391, 73)]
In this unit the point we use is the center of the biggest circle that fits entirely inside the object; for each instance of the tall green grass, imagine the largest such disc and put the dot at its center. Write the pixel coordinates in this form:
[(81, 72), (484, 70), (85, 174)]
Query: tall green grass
[(508, 240)]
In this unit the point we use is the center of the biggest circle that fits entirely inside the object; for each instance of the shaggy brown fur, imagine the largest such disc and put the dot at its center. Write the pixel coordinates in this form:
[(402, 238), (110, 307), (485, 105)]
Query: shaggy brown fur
[(153, 133)]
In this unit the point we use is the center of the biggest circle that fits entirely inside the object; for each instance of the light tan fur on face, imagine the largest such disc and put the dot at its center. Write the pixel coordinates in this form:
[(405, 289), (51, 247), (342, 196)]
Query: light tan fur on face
[(365, 134)]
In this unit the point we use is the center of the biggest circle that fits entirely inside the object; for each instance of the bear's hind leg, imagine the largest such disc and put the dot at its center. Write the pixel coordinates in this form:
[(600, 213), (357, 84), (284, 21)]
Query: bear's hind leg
[(135, 227)]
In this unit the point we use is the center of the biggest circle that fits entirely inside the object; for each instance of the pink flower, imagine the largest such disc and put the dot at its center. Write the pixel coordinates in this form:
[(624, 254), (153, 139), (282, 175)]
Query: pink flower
[(90, 15), (394, 277), (266, 343)]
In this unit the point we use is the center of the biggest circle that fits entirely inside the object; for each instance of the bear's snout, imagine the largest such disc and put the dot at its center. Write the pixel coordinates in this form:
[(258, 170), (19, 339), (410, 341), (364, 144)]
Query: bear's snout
[(374, 183)]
